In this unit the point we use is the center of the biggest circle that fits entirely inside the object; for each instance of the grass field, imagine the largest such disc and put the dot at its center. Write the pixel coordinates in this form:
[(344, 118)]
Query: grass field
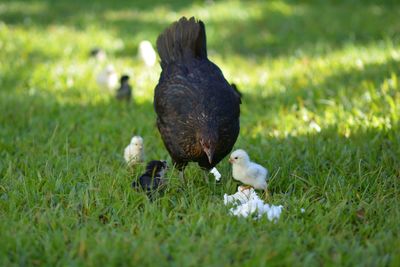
[(321, 84)]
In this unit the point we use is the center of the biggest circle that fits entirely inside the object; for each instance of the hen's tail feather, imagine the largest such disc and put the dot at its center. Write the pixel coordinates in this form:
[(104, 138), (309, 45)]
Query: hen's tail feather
[(183, 40)]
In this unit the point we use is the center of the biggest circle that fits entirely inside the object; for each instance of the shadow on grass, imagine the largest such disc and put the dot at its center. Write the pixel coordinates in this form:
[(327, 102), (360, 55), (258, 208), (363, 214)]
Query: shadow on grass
[(311, 27), (281, 28)]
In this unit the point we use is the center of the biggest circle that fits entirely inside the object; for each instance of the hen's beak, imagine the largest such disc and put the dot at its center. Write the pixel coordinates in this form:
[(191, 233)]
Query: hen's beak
[(210, 154)]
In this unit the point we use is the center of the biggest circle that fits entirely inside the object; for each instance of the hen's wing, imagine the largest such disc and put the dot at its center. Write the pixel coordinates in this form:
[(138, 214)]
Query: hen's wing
[(175, 102)]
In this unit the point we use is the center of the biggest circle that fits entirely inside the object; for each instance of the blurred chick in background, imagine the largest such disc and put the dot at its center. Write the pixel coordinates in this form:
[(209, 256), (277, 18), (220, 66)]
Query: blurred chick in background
[(98, 53), (108, 78), (124, 92), (147, 54)]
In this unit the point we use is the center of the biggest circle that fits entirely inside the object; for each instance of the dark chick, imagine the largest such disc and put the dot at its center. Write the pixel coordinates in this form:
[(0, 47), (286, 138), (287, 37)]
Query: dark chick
[(124, 92), (153, 178), (197, 109)]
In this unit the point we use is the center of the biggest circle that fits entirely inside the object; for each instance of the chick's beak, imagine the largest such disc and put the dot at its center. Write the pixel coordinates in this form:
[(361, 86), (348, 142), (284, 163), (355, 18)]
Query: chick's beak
[(230, 161)]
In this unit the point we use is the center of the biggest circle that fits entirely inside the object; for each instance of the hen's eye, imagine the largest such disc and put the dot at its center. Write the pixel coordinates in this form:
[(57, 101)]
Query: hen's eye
[(236, 157)]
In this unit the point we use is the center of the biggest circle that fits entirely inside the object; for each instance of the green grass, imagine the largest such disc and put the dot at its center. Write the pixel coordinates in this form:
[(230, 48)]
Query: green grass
[(65, 196)]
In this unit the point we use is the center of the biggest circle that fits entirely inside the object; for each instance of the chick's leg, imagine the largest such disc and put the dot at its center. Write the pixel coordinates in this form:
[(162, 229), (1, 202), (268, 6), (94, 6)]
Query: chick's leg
[(266, 195)]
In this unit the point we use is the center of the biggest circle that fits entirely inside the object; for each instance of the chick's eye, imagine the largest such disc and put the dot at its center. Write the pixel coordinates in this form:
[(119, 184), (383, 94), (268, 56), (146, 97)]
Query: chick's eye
[(236, 157)]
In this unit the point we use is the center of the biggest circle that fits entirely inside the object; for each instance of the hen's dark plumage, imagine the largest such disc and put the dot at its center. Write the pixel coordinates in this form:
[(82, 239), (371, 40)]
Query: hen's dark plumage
[(197, 110)]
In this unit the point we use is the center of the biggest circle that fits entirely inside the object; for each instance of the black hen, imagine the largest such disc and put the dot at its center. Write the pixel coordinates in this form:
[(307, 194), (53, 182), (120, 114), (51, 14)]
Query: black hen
[(197, 110)]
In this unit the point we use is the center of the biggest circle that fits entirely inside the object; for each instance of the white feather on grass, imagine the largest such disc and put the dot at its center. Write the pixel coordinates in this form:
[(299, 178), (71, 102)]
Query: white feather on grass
[(246, 203)]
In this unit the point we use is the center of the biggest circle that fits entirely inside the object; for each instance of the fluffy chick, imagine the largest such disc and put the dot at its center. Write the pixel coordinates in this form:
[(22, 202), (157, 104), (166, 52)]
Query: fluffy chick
[(248, 172), (98, 53), (124, 92), (108, 78), (134, 152), (153, 178), (147, 54)]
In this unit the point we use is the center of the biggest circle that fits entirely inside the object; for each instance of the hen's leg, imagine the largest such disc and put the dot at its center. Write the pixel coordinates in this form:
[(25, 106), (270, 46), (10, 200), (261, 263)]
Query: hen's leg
[(206, 167), (205, 176), (182, 176), (180, 166)]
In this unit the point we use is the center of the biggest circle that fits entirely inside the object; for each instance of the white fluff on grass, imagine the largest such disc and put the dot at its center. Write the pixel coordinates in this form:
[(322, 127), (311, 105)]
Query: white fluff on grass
[(247, 203), (147, 54), (216, 174)]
